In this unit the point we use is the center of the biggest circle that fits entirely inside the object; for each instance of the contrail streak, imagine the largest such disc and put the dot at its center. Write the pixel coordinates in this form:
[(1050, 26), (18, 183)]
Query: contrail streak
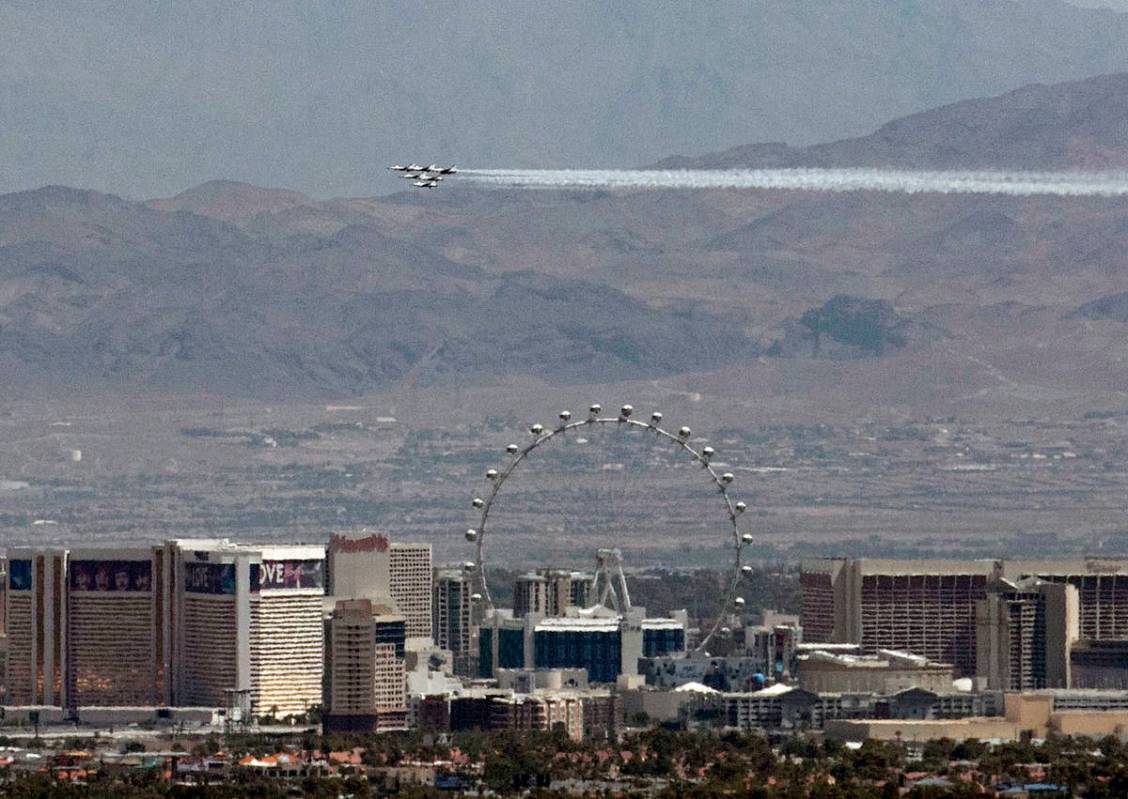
[(1017, 184)]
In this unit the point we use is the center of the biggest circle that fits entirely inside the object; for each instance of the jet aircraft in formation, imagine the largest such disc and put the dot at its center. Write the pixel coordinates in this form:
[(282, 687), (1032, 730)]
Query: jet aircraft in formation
[(424, 177)]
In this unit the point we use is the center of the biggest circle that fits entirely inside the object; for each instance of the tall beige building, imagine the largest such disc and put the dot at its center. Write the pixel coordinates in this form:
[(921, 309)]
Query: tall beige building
[(365, 682), (391, 689), (923, 607), (1025, 634), (36, 600), (112, 622), (359, 565), (530, 595), (936, 608), (410, 584), (86, 627), (350, 667), (550, 592)]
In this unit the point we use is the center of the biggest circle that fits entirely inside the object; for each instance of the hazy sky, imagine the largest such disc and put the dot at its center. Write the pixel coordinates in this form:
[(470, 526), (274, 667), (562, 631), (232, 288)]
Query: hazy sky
[(147, 98), (1117, 5)]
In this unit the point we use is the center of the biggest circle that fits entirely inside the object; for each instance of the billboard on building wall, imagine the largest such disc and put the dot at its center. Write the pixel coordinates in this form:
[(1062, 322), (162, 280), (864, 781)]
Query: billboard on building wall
[(19, 575), (111, 575), (209, 578), (275, 574)]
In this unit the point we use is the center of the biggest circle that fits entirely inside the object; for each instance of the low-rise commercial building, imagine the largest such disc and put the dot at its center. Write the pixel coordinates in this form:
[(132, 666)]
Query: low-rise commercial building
[(732, 673), (886, 672), (527, 681), (1026, 715), (790, 708), (604, 643)]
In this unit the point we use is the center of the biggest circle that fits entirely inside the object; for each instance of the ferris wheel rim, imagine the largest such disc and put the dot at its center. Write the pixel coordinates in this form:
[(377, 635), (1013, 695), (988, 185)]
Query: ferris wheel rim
[(681, 439)]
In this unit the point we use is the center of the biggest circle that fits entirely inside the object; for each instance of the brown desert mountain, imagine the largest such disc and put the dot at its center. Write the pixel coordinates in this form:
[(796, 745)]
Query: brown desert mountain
[(234, 289), (1078, 125)]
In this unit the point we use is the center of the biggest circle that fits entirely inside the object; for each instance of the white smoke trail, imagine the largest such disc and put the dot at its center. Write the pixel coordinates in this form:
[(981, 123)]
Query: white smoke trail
[(1018, 184)]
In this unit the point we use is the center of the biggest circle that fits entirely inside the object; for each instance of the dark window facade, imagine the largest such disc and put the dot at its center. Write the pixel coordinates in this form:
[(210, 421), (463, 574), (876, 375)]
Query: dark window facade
[(598, 652), (656, 643), (392, 632)]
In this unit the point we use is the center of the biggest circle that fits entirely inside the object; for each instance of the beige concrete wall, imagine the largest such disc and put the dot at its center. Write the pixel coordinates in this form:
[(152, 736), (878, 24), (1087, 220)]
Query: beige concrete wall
[(1030, 711), (1063, 629), (909, 731), (1025, 713), (831, 678), (357, 570), (1015, 569), (1093, 723), (658, 705), (897, 568)]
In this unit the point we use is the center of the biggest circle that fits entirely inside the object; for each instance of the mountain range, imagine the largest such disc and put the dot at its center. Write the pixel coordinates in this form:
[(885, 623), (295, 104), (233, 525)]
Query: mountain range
[(237, 290), (319, 97), (1076, 125)]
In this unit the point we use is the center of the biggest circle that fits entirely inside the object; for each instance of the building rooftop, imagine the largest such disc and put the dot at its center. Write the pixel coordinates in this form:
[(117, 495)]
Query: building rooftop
[(884, 659), (662, 624), (579, 624)]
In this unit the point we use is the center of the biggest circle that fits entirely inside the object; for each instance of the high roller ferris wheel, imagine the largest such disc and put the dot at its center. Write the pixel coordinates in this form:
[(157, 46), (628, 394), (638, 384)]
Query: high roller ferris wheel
[(679, 440)]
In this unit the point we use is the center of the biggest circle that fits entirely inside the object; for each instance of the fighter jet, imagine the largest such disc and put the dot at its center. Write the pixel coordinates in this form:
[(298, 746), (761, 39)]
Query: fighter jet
[(423, 177)]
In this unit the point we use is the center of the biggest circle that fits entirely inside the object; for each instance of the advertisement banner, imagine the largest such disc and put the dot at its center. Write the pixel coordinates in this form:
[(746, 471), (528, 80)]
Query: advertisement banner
[(19, 575), (275, 574), (209, 578), (111, 575)]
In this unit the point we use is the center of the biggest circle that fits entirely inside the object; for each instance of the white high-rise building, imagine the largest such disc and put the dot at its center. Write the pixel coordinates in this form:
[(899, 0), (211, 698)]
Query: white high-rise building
[(210, 607), (249, 618), (287, 631)]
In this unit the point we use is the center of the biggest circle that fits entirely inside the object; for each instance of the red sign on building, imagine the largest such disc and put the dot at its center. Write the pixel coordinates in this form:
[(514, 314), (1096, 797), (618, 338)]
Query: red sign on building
[(377, 542)]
